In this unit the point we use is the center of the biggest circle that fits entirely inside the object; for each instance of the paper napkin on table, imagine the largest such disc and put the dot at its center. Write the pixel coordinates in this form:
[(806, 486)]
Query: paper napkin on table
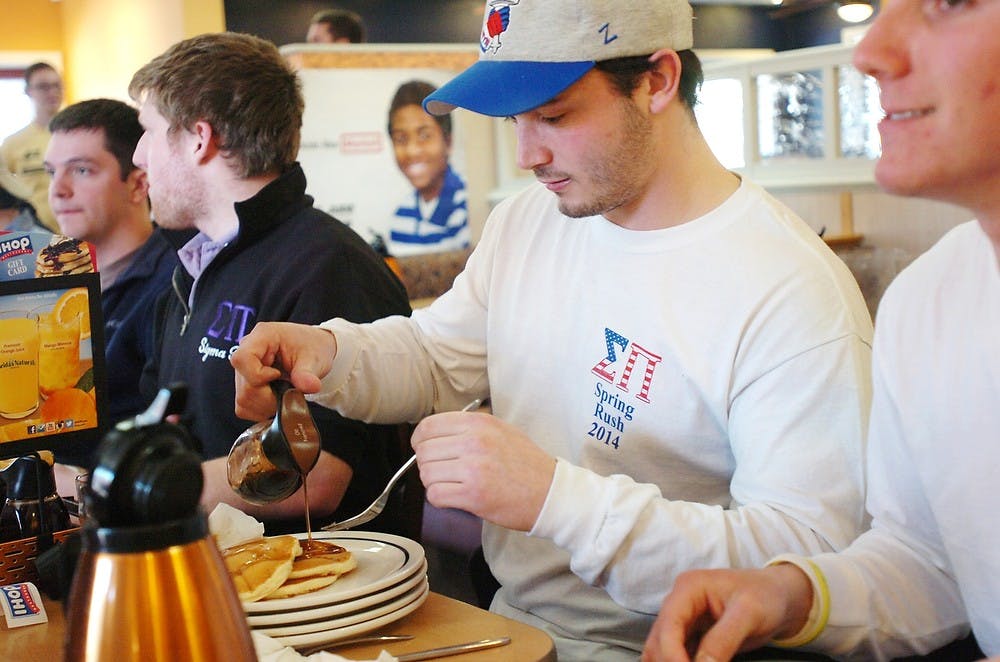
[(269, 650), (231, 526)]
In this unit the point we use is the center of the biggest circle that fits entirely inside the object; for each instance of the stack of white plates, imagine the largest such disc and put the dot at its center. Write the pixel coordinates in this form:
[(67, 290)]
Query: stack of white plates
[(389, 583)]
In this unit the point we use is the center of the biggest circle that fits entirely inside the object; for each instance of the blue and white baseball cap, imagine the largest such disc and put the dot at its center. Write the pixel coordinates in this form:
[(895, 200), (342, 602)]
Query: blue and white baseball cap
[(532, 50)]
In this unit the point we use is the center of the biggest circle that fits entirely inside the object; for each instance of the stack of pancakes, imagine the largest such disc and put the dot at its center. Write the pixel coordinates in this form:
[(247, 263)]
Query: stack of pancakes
[(279, 567), (64, 256)]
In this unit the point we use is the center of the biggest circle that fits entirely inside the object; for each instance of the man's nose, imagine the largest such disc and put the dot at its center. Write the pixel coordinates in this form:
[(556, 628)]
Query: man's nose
[(138, 157), (413, 148), (531, 151), (59, 186)]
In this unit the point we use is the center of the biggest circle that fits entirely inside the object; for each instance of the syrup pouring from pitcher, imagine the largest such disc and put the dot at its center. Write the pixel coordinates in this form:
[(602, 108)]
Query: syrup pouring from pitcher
[(271, 460)]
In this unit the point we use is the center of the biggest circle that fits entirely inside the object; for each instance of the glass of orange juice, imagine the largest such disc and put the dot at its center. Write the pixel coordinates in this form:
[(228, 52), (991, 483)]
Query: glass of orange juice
[(18, 363), (58, 352)]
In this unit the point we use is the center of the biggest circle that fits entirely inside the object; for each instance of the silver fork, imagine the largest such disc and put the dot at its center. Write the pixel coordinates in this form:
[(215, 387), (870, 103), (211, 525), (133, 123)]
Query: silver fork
[(374, 510)]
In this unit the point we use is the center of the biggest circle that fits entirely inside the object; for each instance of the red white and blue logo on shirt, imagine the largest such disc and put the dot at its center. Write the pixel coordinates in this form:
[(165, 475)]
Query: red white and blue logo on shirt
[(626, 374), (638, 356)]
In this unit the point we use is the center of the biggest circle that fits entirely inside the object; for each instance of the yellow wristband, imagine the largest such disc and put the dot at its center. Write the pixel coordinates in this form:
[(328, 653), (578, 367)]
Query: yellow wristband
[(819, 612)]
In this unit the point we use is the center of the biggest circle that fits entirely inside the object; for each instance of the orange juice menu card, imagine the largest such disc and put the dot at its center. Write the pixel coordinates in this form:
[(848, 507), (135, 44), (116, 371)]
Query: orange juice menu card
[(46, 355)]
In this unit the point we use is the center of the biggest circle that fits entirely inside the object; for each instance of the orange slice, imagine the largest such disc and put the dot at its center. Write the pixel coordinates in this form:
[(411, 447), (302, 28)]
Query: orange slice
[(72, 303), (70, 404)]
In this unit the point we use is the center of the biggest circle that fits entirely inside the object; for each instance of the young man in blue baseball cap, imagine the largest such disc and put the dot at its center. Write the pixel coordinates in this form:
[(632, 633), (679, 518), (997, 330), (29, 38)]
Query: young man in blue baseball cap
[(678, 366)]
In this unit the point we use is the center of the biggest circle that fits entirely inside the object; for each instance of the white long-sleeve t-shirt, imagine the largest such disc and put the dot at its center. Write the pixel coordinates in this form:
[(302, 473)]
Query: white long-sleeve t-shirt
[(704, 387), (930, 565)]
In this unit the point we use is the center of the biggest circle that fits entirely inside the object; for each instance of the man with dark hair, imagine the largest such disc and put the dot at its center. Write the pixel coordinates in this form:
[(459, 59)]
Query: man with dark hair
[(222, 115), (100, 196), (24, 151), (678, 366), (336, 26), (435, 216)]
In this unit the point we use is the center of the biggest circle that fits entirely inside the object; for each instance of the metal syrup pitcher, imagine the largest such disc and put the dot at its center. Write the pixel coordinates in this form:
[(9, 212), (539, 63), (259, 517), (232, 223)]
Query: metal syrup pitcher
[(270, 460), (150, 584)]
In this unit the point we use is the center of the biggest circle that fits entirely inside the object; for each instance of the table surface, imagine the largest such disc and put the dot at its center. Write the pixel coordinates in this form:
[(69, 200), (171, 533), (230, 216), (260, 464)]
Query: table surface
[(440, 621)]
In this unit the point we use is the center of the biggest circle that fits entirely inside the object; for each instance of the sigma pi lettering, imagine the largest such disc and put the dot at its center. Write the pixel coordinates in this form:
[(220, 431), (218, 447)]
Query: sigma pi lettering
[(232, 321), (621, 375), (628, 368)]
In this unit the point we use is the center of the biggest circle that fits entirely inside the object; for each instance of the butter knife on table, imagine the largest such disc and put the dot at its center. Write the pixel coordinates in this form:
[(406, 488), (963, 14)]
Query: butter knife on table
[(428, 654), (444, 651)]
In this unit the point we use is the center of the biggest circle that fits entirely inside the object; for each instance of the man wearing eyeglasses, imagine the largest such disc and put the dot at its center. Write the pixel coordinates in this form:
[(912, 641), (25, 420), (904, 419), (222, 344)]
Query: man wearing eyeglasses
[(24, 151)]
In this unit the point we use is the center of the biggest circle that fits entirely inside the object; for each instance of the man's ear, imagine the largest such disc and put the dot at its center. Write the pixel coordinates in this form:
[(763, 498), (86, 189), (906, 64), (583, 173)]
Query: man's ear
[(204, 141), (138, 186), (665, 79)]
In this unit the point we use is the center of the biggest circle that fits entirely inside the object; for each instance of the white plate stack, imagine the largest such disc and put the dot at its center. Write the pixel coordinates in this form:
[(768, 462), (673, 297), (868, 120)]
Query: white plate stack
[(389, 582)]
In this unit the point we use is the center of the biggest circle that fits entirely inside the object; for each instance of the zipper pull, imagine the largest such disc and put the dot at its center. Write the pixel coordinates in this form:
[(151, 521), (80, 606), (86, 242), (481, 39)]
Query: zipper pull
[(175, 281)]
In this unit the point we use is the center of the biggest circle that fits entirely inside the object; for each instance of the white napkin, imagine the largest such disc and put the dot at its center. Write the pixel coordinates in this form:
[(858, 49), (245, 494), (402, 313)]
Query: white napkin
[(231, 526), (269, 650)]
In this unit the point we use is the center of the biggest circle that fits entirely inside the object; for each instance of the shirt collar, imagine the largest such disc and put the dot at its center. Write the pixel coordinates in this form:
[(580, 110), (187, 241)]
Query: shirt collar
[(200, 250)]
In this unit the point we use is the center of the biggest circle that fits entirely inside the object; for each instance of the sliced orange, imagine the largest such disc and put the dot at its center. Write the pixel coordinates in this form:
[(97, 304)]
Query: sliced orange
[(72, 303), (70, 404)]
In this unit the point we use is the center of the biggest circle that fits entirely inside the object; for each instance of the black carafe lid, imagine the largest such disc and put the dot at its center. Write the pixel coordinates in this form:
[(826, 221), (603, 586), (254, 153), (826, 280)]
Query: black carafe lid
[(29, 477), (146, 483)]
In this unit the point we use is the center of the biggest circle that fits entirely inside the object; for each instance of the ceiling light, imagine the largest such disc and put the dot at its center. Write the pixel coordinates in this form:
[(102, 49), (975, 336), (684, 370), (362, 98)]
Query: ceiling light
[(854, 11)]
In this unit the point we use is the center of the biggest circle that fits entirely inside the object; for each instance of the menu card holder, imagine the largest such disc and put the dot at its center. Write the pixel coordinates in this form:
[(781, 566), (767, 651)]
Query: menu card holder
[(53, 382)]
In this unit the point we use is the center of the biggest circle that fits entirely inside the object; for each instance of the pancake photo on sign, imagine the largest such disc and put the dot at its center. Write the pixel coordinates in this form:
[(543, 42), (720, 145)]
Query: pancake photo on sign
[(64, 256)]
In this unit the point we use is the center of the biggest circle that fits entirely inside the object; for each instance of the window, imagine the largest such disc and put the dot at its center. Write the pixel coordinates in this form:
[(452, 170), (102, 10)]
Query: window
[(790, 114), (720, 116), (15, 106), (808, 117), (16, 109), (860, 113)]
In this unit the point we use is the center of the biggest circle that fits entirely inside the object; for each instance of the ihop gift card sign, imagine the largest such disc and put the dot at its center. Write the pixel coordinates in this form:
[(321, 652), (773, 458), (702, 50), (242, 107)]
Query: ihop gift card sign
[(22, 605), (38, 254)]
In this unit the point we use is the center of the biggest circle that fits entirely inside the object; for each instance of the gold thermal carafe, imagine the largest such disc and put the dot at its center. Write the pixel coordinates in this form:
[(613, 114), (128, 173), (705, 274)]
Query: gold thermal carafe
[(150, 584)]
